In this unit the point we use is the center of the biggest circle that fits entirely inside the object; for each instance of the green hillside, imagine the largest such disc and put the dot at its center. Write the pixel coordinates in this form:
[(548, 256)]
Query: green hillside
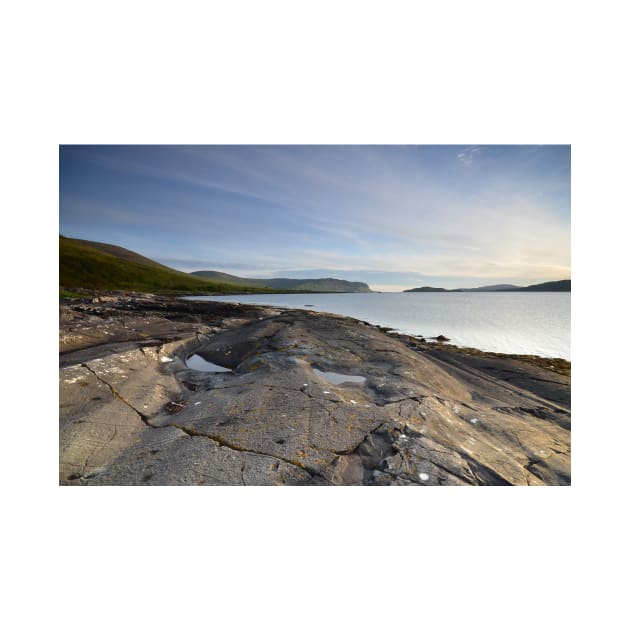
[(89, 265), (220, 276), (118, 252), (323, 285)]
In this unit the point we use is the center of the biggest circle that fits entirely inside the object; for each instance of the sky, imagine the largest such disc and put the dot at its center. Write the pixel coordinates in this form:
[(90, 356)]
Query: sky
[(395, 217)]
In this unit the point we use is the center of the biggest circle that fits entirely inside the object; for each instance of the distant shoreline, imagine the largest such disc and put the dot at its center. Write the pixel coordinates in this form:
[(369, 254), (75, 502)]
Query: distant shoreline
[(557, 286)]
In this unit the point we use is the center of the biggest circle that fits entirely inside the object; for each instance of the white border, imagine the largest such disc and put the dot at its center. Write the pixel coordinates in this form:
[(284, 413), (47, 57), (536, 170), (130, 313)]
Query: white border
[(287, 72)]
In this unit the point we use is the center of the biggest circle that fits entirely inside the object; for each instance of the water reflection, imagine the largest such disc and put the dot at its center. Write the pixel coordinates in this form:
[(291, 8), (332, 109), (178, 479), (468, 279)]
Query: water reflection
[(337, 379), (197, 362)]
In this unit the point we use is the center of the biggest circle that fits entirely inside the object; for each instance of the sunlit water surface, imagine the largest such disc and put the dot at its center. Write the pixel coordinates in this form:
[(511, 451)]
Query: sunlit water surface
[(514, 323)]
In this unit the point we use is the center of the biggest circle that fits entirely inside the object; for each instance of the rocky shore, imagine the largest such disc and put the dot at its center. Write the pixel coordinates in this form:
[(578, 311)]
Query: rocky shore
[(308, 399)]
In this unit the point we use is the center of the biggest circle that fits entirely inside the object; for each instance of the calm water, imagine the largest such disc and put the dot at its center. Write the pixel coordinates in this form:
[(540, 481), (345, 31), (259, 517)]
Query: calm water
[(196, 362), (337, 379), (515, 323)]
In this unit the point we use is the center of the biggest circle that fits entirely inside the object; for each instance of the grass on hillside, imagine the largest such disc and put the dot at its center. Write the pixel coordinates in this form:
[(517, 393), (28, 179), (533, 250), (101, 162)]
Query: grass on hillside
[(82, 266), (64, 294)]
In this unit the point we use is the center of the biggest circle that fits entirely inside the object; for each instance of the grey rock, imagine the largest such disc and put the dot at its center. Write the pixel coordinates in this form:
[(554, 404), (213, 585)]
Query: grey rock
[(133, 413)]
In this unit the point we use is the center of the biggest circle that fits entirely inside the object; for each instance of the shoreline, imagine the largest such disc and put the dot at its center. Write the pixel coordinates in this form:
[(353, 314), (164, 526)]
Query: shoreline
[(555, 364), (562, 363), (428, 414)]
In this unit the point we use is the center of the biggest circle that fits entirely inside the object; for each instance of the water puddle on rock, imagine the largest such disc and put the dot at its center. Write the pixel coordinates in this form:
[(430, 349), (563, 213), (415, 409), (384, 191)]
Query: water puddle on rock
[(338, 379), (197, 362)]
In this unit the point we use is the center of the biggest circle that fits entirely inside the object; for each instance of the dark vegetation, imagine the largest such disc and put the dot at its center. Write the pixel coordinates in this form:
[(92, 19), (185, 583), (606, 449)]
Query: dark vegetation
[(64, 293), (558, 285), (90, 265)]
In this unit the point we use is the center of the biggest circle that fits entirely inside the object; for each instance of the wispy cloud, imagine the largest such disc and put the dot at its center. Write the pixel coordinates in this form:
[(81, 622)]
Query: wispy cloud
[(466, 156), (490, 212)]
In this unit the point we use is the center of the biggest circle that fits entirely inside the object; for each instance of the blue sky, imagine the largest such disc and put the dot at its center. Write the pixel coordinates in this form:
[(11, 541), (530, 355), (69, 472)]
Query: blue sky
[(393, 216)]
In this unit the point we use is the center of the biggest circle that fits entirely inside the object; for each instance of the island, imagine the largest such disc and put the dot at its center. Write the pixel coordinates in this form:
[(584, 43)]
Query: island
[(426, 290), (557, 285)]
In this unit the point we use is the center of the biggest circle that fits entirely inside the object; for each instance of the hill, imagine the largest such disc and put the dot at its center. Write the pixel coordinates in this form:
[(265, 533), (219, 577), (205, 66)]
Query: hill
[(92, 265), (425, 290), (118, 252), (322, 285), (558, 285), (492, 287)]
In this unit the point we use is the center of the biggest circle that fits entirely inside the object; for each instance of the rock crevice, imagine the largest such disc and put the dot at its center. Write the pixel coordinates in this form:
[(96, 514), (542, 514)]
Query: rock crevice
[(132, 412)]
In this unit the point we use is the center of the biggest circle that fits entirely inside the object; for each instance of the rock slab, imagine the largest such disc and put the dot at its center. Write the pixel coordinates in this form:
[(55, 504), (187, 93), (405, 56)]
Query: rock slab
[(133, 413)]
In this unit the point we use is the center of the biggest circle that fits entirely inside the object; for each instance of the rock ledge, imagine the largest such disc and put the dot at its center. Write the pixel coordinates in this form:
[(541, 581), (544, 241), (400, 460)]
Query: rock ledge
[(133, 413)]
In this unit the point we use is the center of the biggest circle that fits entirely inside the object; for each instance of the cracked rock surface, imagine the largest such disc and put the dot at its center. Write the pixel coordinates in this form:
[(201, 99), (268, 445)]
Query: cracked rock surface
[(133, 413)]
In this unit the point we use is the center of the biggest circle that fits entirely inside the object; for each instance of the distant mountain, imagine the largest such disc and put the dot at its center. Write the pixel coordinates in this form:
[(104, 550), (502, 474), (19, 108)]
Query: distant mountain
[(93, 265), (558, 285), (492, 287), (425, 290), (323, 285)]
